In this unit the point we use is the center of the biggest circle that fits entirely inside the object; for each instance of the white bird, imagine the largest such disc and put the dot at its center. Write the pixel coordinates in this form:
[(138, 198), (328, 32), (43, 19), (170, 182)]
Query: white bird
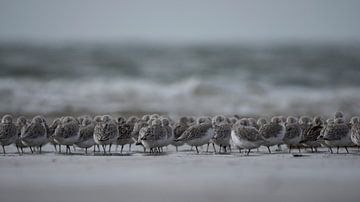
[(198, 134), (34, 134), (67, 133), (245, 136), (273, 133), (8, 132), (106, 132)]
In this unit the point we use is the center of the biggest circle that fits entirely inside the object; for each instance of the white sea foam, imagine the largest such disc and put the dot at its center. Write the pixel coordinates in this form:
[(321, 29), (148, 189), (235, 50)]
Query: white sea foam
[(189, 96)]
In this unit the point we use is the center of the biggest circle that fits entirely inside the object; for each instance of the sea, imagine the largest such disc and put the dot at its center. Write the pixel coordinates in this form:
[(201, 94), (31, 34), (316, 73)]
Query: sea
[(179, 79)]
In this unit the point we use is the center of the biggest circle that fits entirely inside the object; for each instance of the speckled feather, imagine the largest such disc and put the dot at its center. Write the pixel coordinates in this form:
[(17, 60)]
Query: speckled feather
[(292, 131), (195, 131), (355, 132), (247, 133), (312, 133), (336, 132), (179, 129), (270, 130), (125, 130), (7, 130), (222, 131), (105, 131)]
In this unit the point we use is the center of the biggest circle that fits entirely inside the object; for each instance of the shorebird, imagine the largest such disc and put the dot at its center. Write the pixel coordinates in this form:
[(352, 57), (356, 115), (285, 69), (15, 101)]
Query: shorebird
[(153, 136), (125, 137), (8, 132), (135, 134), (86, 137), (106, 132), (293, 134), (312, 134), (222, 133), (169, 131), (198, 134), (21, 122), (338, 114), (261, 122), (246, 136), (35, 134), (51, 134), (355, 130), (338, 135), (273, 133), (67, 133), (179, 129)]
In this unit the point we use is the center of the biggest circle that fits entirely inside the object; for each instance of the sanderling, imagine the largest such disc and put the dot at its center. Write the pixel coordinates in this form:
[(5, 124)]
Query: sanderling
[(312, 134), (222, 133), (125, 137), (338, 135), (34, 135), (305, 123), (135, 134), (338, 114), (179, 129), (293, 134), (51, 134), (169, 131), (355, 130), (67, 132), (273, 133), (86, 138), (246, 136), (106, 132), (198, 134), (153, 136), (20, 123), (8, 132)]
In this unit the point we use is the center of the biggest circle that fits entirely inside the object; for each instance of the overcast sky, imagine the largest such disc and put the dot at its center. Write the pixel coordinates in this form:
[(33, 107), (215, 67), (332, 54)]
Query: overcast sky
[(180, 20)]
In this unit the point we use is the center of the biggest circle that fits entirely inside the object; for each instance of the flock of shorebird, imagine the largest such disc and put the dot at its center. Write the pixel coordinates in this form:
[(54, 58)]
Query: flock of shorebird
[(153, 132)]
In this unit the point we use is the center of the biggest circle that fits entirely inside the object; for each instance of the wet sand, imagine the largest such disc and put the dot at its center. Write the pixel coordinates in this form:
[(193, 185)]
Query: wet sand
[(180, 176)]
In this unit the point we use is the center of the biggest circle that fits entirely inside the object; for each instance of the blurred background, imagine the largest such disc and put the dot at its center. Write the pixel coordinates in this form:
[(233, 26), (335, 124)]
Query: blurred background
[(179, 57)]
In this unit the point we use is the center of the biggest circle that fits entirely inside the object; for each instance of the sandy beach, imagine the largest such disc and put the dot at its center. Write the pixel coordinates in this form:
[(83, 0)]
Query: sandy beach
[(180, 176)]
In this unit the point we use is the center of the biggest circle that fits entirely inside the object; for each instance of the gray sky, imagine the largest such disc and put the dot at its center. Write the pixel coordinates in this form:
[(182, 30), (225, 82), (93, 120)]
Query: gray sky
[(180, 20)]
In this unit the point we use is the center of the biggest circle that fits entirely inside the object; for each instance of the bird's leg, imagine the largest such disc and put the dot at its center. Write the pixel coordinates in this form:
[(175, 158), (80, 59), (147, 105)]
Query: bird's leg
[(315, 149), (337, 149), (196, 149), (3, 147), (331, 150), (230, 148), (213, 144), (129, 147), (225, 149), (122, 147), (86, 150), (104, 149), (289, 148), (207, 147), (110, 148), (247, 154), (59, 148), (347, 151), (269, 149), (31, 150), (40, 149), (55, 147), (17, 147), (312, 150)]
